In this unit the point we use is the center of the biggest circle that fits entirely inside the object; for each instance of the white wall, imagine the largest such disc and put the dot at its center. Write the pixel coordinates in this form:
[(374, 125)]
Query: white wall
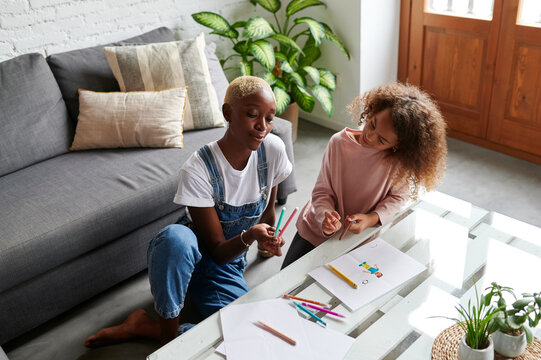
[(369, 28), (52, 26)]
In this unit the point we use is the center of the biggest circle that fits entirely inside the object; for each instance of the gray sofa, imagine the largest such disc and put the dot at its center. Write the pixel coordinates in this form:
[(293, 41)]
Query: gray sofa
[(73, 224)]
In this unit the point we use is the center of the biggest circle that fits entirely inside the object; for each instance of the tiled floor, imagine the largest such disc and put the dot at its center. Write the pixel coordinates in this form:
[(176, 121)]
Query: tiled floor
[(483, 177)]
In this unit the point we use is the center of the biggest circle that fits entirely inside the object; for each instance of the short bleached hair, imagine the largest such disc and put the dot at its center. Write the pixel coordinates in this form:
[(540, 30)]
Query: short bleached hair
[(244, 86)]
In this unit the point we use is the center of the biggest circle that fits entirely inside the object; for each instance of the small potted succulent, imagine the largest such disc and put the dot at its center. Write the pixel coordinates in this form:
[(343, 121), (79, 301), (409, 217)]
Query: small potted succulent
[(515, 322)]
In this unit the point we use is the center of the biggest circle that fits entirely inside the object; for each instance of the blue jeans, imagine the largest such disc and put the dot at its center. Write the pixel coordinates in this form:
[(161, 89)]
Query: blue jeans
[(176, 262)]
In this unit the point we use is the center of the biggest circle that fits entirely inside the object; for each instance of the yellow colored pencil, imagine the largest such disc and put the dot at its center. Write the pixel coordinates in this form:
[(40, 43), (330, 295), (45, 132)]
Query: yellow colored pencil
[(344, 277)]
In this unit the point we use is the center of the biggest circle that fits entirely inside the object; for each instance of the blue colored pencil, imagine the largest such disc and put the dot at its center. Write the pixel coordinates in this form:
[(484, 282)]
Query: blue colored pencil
[(317, 318), (279, 220)]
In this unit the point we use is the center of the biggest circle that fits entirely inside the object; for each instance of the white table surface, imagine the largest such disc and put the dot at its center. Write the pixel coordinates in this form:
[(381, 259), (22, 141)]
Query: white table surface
[(458, 242)]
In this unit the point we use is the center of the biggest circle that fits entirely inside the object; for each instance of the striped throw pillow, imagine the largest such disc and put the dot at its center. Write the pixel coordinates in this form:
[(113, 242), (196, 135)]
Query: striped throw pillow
[(163, 66)]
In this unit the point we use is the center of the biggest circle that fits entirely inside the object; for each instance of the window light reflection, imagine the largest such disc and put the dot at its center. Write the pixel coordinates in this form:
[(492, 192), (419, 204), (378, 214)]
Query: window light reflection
[(460, 207)]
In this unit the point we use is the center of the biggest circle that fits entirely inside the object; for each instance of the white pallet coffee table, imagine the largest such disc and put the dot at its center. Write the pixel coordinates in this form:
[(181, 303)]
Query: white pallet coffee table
[(458, 242)]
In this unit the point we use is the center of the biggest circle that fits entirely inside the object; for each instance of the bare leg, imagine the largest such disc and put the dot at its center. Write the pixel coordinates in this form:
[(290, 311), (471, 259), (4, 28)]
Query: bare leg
[(137, 325)]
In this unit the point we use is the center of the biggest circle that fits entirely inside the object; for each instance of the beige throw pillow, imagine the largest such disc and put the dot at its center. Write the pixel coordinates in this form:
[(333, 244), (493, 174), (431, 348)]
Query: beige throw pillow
[(130, 119), (165, 65)]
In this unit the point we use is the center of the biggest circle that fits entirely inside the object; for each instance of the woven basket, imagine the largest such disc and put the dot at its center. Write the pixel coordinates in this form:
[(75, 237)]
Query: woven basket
[(446, 344)]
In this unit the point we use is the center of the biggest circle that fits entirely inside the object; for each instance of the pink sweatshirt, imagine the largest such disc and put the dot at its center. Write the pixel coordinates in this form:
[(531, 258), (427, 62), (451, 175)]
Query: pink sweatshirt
[(352, 179)]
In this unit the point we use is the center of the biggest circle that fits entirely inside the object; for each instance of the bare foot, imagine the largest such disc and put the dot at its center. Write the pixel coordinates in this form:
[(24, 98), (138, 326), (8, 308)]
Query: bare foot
[(137, 325)]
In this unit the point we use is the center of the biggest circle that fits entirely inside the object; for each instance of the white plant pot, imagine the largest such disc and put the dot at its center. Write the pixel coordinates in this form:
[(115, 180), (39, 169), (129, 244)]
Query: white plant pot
[(465, 352), (509, 345)]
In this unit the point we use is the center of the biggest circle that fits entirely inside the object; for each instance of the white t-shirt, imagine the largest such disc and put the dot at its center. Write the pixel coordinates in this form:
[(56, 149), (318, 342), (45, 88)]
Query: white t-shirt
[(240, 186)]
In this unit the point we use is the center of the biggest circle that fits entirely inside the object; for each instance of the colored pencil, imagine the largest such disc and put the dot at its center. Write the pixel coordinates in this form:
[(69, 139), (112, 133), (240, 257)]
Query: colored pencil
[(342, 276), (287, 296), (275, 332), (317, 318), (323, 310), (280, 220), (288, 221), (345, 230)]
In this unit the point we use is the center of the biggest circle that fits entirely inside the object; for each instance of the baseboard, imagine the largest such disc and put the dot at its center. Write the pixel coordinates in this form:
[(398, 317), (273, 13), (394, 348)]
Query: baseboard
[(325, 122)]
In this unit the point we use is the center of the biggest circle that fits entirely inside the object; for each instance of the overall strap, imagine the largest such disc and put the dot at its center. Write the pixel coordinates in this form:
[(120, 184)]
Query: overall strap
[(262, 170), (215, 177)]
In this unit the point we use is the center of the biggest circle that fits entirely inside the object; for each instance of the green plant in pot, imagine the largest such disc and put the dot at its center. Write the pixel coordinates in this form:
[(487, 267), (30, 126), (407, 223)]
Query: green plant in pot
[(477, 321), (515, 321), (283, 52)]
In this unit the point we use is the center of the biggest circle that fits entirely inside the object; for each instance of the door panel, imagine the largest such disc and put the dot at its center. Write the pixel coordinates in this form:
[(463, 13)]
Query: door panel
[(516, 103), (452, 58)]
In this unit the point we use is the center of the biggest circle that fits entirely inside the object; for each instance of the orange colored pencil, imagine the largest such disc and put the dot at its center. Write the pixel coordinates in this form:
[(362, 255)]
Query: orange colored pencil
[(345, 230), (287, 296), (275, 332)]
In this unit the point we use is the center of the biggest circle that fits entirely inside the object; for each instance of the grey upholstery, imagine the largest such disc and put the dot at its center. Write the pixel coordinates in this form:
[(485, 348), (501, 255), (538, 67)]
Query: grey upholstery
[(73, 224), (33, 120), (88, 68)]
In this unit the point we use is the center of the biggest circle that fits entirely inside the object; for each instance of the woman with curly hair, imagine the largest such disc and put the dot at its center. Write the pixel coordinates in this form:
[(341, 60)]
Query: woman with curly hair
[(367, 175)]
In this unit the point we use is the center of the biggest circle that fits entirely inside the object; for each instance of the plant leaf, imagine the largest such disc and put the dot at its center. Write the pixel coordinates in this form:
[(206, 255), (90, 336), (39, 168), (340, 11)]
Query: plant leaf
[(324, 96), (282, 99), (280, 84), (313, 72), (297, 5), (316, 28), (258, 28), (270, 5), (327, 79), (529, 334), (217, 23), (269, 77), (329, 35), (264, 53), (286, 67), (280, 56), (311, 53), (519, 304), (238, 24), (297, 78), (246, 68), (287, 41), (303, 98), (254, 2), (242, 47)]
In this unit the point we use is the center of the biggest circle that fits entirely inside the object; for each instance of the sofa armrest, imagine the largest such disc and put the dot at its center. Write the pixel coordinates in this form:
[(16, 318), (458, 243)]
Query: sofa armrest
[(282, 129)]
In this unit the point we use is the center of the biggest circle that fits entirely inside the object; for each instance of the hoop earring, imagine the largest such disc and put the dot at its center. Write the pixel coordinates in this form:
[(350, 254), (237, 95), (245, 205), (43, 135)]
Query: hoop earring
[(394, 149)]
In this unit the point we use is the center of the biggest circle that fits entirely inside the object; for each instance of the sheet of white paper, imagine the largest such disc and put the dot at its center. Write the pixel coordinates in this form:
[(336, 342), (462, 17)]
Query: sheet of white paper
[(376, 268), (238, 326), (244, 340)]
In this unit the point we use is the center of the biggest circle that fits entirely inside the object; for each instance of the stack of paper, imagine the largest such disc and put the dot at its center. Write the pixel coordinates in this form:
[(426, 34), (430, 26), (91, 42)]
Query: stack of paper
[(375, 268), (243, 339)]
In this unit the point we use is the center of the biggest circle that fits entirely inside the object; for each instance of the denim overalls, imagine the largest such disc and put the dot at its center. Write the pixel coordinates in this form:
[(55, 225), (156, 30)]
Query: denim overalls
[(176, 259)]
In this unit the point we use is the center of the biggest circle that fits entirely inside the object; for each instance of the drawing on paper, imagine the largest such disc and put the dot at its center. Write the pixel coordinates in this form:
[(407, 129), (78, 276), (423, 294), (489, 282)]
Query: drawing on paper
[(374, 270)]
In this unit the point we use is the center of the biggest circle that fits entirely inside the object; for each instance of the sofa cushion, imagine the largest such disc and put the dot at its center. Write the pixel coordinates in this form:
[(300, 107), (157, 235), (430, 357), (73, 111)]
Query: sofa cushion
[(88, 68), (130, 119), (34, 123), (62, 208), (165, 65)]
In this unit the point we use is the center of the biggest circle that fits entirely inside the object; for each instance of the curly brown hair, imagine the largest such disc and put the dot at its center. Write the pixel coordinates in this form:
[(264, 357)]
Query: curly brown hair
[(420, 155)]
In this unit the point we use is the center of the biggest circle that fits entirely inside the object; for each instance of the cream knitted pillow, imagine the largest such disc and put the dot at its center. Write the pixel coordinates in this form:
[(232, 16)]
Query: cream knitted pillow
[(130, 119)]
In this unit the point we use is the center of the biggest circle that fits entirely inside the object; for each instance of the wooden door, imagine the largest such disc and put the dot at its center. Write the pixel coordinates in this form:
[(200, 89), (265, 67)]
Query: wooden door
[(515, 113), (484, 71), (452, 58)]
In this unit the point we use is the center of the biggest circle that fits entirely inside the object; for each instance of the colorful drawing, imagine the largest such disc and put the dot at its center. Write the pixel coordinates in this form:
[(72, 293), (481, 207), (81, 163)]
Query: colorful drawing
[(371, 269)]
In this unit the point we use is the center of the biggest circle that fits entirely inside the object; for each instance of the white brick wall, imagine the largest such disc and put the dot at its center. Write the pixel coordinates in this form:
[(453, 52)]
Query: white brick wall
[(52, 26)]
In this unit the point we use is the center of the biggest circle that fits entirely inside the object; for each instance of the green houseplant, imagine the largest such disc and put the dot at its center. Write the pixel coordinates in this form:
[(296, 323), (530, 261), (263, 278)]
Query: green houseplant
[(477, 321), (282, 53), (515, 322)]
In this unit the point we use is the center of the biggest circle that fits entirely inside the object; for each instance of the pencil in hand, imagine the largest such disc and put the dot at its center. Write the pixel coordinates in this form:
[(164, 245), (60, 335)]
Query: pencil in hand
[(345, 229), (275, 332)]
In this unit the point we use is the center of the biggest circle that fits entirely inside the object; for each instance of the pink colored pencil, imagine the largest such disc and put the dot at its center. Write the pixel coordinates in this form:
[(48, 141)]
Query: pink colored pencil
[(288, 221), (323, 310), (345, 230)]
